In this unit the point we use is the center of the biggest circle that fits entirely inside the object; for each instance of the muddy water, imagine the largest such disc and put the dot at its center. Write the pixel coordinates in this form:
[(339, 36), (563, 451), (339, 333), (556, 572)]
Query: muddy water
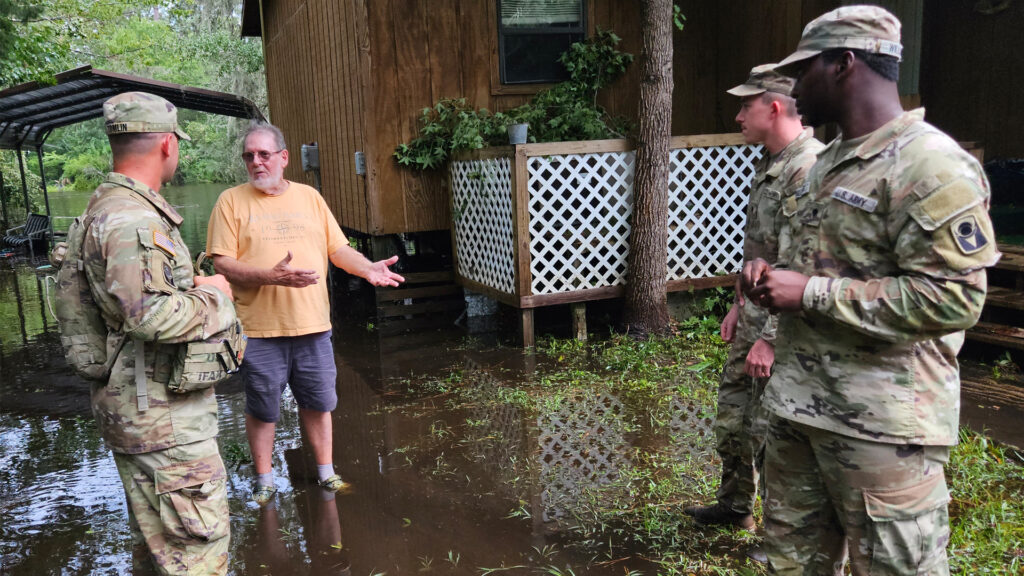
[(436, 488), (443, 508)]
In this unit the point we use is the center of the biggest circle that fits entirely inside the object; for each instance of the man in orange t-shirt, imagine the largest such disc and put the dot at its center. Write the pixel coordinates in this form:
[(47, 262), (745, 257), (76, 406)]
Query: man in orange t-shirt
[(272, 239)]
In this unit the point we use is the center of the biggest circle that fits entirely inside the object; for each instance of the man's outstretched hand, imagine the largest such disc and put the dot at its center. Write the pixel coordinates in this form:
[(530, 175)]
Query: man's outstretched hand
[(379, 274)]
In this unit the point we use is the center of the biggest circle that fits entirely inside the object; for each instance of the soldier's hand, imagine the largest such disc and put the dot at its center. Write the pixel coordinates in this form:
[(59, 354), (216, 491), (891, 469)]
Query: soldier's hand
[(282, 274), (728, 328), (753, 274), (218, 281), (780, 291), (760, 359)]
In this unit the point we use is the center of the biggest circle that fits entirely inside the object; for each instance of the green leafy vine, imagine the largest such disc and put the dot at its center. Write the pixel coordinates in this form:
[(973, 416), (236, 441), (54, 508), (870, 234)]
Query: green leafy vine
[(566, 111)]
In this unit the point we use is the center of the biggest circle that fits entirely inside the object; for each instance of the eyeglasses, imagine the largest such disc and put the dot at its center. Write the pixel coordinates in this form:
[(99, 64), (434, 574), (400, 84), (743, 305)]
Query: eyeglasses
[(262, 154)]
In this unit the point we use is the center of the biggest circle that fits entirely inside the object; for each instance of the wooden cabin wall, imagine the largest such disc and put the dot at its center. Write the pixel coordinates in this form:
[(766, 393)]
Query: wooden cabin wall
[(312, 57), (719, 44), (289, 66), (971, 81), (422, 51)]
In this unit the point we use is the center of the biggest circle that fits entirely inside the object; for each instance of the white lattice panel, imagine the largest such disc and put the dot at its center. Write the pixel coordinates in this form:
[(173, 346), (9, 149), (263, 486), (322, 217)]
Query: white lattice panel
[(482, 217), (580, 207), (707, 209), (579, 447), (579, 220)]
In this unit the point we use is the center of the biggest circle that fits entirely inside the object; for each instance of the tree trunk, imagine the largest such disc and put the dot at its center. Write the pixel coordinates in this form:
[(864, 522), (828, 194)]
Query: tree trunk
[(646, 310)]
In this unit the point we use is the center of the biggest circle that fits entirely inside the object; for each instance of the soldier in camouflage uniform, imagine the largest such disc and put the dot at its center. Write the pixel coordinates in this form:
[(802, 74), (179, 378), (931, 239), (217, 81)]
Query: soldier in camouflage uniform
[(886, 272), (767, 116), (140, 275)]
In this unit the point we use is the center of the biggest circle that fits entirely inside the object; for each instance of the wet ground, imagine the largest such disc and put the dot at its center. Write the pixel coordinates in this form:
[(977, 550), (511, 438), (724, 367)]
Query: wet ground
[(437, 489)]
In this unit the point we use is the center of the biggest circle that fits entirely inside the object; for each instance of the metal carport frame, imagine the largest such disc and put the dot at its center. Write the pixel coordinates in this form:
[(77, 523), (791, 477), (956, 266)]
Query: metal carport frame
[(30, 112)]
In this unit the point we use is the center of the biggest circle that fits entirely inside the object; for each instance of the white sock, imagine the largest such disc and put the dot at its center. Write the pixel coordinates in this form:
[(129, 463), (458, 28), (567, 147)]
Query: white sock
[(265, 479), (324, 471)]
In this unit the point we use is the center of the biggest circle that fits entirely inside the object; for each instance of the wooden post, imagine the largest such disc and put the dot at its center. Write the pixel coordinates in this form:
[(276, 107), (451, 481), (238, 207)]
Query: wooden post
[(24, 185), (3, 203), (526, 323), (521, 223), (521, 241), (579, 320)]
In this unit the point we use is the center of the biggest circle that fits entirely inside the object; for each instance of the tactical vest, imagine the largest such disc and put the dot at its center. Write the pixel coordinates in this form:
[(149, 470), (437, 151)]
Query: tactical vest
[(91, 346)]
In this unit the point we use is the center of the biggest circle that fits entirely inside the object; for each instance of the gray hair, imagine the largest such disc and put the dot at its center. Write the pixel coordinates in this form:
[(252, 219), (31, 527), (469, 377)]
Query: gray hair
[(263, 126)]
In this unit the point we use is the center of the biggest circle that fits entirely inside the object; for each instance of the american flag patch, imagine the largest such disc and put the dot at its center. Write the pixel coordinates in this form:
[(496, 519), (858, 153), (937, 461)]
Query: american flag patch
[(163, 242)]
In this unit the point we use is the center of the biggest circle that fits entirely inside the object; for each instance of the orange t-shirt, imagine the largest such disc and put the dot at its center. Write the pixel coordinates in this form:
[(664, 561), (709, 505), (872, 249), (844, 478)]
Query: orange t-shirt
[(259, 229)]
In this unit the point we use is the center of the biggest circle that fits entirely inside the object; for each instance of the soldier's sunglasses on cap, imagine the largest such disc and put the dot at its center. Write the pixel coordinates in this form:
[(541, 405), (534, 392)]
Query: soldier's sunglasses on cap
[(262, 154)]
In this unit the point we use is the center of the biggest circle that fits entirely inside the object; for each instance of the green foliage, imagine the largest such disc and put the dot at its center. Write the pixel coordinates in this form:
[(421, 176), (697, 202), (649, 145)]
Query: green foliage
[(190, 42), (449, 126), (678, 18), (12, 186), (566, 111), (987, 510)]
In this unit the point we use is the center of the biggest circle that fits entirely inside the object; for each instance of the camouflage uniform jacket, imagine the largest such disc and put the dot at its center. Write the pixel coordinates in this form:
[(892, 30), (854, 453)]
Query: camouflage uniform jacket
[(140, 274), (775, 180), (895, 235)]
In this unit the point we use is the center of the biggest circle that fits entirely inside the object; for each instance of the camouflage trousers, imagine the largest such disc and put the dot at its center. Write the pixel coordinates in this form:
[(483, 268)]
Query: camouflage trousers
[(828, 496), (178, 509), (739, 431)]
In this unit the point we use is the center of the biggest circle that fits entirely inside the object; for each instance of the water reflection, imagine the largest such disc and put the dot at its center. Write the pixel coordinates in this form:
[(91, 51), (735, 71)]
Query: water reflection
[(434, 484), (306, 540)]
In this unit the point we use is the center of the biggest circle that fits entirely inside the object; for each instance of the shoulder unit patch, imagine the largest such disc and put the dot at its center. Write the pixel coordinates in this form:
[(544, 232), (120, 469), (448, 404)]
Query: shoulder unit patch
[(969, 237)]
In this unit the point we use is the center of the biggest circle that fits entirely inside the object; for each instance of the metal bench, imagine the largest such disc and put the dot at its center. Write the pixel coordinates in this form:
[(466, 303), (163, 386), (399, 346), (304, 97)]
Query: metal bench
[(33, 234)]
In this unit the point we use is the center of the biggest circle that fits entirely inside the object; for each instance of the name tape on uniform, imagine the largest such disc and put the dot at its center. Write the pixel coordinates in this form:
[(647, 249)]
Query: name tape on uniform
[(854, 199)]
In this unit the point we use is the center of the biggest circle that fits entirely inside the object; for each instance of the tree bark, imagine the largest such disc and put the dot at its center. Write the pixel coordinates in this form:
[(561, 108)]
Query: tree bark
[(646, 310)]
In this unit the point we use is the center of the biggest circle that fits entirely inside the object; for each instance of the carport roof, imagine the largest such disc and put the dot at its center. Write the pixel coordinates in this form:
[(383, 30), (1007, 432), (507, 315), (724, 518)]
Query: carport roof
[(29, 112)]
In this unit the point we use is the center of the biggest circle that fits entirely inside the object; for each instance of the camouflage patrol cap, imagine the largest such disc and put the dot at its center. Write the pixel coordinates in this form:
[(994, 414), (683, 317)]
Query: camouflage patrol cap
[(763, 79), (133, 112), (868, 28)]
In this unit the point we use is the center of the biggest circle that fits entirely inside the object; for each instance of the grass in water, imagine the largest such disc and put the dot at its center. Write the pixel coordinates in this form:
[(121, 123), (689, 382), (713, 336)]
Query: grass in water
[(620, 439)]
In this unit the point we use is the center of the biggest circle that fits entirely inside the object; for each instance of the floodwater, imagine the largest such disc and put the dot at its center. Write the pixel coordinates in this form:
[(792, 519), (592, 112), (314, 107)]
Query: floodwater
[(452, 507), (193, 201), (62, 508)]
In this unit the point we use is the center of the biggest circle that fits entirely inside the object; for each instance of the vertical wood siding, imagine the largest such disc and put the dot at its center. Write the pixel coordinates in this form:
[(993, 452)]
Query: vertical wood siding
[(355, 75), (312, 61), (971, 81)]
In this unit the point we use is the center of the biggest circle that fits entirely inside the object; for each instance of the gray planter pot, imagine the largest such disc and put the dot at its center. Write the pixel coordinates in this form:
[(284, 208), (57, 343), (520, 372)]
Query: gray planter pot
[(517, 133)]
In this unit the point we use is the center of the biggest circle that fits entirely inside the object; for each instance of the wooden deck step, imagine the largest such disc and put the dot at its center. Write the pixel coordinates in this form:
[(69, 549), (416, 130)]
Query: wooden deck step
[(980, 381), (425, 300), (395, 294), (998, 335), (1002, 297)]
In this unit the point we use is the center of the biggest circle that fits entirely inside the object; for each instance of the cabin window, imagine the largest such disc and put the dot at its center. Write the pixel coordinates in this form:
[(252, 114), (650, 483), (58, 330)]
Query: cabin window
[(532, 34)]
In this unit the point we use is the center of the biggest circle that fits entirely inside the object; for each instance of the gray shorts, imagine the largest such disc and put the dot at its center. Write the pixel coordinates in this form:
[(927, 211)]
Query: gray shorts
[(306, 363)]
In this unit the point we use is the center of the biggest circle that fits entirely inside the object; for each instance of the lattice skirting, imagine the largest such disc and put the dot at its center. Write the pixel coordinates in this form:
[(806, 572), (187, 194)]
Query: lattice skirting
[(482, 218), (580, 208)]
